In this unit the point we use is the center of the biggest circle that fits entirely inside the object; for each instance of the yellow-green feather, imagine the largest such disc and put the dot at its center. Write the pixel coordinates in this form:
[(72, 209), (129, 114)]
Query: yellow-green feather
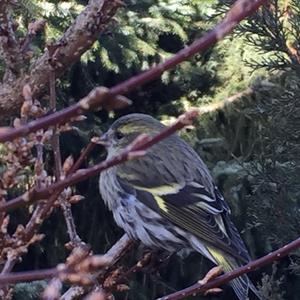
[(240, 284)]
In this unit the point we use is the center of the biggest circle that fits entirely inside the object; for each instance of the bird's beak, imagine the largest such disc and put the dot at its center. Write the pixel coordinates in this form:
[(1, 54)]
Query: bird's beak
[(103, 140)]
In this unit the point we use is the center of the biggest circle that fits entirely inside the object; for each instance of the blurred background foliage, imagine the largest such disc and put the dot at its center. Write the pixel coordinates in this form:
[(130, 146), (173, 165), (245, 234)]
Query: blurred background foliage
[(250, 138)]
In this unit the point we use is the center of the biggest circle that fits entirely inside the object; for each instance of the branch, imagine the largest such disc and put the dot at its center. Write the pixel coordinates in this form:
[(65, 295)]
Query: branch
[(63, 201), (55, 135), (134, 150), (77, 269), (199, 288), (85, 153), (115, 253), (9, 45), (41, 212), (240, 10), (27, 276), (53, 290), (33, 29), (100, 96), (107, 260), (45, 209), (76, 40)]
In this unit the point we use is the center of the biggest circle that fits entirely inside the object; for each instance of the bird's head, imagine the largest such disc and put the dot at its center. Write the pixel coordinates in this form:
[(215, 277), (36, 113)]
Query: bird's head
[(124, 130)]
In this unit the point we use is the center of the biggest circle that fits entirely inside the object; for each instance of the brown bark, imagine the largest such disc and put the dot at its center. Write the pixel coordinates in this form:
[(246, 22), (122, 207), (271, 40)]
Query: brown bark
[(9, 45), (76, 40)]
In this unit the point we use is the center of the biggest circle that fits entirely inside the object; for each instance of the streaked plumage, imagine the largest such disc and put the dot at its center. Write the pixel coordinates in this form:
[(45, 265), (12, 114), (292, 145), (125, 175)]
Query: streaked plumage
[(167, 199)]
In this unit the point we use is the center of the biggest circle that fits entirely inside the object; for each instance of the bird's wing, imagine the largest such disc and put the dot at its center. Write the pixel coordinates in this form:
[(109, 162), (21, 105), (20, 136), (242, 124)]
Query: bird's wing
[(192, 207)]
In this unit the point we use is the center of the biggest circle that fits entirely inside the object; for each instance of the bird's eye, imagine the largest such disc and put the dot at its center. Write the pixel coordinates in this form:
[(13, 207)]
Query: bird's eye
[(119, 135)]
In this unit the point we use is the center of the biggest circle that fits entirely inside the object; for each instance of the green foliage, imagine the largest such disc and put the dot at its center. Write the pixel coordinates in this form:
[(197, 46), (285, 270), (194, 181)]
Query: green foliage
[(252, 145), (276, 186), (271, 287), (28, 291), (273, 32), (274, 162), (147, 32), (58, 14)]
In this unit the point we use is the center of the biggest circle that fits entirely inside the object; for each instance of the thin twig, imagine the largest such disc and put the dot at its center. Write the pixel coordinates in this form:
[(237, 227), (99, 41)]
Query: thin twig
[(64, 204), (199, 288), (53, 290), (42, 211), (33, 29), (13, 256), (84, 154), (115, 253), (34, 223), (9, 264), (27, 276), (9, 44), (110, 285), (77, 269), (77, 39), (136, 149), (55, 136), (240, 10), (7, 268)]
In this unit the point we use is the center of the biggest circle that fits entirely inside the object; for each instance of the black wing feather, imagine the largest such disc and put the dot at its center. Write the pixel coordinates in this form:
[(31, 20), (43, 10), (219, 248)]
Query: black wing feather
[(185, 210), (192, 201)]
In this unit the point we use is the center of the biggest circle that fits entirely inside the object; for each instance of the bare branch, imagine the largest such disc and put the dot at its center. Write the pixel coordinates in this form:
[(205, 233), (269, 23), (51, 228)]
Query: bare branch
[(199, 288), (40, 213), (9, 45), (52, 291), (116, 252), (239, 11), (77, 269), (113, 255), (135, 149), (45, 209), (33, 29), (99, 96), (27, 276), (85, 153), (76, 40), (55, 135), (78, 261), (64, 204)]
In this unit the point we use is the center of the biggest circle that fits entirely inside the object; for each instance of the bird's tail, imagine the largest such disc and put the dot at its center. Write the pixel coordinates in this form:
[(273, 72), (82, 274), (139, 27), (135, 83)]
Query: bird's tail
[(240, 284)]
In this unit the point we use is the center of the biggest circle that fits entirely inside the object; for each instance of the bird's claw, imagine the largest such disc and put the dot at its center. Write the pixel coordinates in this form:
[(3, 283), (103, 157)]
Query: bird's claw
[(211, 274), (213, 291)]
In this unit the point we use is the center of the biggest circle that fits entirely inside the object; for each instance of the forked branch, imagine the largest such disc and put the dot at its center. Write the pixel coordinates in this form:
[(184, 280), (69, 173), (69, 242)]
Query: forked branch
[(240, 10), (134, 150)]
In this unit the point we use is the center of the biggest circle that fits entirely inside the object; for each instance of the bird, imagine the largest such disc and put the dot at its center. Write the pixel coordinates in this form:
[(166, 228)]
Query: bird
[(167, 199)]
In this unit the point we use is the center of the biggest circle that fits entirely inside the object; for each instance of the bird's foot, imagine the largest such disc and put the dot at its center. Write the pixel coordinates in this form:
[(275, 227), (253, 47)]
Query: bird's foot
[(212, 274), (156, 260)]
